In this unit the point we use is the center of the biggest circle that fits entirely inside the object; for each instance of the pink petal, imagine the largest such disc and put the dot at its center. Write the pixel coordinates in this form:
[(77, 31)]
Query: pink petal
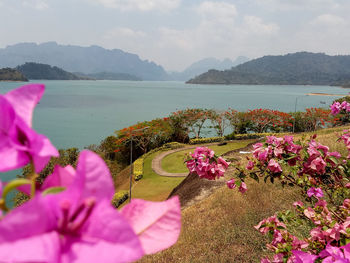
[(95, 176), (158, 224), (101, 251), (13, 159), (22, 222), (112, 238), (7, 119), (61, 176), (41, 248), (42, 150), (24, 100), (303, 257)]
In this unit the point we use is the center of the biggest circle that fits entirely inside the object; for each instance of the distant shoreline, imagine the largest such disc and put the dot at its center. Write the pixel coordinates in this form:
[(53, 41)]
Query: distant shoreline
[(326, 94), (13, 80)]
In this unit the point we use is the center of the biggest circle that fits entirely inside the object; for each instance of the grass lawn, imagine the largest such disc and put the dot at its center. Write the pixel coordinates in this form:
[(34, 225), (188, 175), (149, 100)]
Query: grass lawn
[(152, 186), (174, 163)]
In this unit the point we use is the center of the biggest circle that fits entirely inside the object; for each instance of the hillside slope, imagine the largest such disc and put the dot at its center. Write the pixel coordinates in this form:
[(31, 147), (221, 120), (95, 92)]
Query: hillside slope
[(42, 71), (300, 68), (87, 60), (10, 74)]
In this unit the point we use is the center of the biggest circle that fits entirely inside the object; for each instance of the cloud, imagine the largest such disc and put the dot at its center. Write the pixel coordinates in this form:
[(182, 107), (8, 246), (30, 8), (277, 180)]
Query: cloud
[(288, 5), (328, 20), (141, 5), (222, 11), (221, 32), (124, 32), (257, 26), (36, 4)]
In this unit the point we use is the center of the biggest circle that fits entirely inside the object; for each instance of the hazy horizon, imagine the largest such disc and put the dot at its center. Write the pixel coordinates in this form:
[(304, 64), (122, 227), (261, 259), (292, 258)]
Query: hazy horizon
[(175, 33)]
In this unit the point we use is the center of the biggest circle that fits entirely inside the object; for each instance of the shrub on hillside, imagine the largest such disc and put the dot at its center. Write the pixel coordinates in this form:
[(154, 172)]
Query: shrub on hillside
[(207, 140), (119, 198)]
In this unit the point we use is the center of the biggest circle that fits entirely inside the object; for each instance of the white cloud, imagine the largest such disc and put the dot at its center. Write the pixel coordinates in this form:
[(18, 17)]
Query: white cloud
[(220, 33), (328, 20), (257, 26), (141, 5), (217, 11), (124, 32), (36, 4), (288, 5)]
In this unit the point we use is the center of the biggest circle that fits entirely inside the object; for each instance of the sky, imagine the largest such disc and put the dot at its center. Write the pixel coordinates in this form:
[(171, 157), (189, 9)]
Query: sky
[(176, 33)]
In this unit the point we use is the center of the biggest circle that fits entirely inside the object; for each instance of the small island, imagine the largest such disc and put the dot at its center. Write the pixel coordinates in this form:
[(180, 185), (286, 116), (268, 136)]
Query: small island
[(9, 74), (34, 70)]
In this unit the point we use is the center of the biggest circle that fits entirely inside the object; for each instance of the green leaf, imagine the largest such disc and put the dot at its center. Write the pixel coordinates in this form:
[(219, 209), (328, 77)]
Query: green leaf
[(266, 177), (291, 157), (254, 176), (54, 190), (333, 159), (13, 185)]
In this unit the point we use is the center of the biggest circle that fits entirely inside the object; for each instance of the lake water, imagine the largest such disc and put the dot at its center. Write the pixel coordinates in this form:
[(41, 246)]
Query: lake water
[(80, 113)]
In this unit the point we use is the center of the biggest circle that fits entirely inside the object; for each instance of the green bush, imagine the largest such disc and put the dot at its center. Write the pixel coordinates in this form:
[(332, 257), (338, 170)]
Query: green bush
[(207, 140), (138, 177), (247, 136), (119, 198)]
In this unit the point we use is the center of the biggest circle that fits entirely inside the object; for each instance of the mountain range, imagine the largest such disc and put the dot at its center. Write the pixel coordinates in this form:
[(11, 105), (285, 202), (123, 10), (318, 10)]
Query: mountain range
[(302, 68), (204, 65), (88, 60), (97, 62)]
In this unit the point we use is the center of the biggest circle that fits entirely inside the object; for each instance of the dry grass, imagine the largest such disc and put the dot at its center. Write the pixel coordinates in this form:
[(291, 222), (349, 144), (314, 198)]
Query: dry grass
[(220, 228)]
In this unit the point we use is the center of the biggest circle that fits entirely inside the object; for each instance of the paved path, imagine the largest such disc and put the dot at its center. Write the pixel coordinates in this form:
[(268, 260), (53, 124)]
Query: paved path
[(157, 161)]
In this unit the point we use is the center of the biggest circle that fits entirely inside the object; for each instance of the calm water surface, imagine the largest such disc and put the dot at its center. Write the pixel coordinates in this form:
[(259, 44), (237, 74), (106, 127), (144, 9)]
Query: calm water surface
[(80, 113)]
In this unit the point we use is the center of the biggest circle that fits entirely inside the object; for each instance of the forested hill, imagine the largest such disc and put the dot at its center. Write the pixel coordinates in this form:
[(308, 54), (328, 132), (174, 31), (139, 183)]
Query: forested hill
[(42, 71), (302, 68), (10, 74), (87, 60)]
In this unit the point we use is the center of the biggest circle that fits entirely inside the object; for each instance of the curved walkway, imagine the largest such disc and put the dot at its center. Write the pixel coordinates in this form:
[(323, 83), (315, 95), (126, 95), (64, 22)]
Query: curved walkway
[(157, 161)]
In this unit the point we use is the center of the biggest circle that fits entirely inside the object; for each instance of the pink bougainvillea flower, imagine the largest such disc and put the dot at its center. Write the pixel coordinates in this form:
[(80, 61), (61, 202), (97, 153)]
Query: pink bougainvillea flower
[(298, 204), (243, 188), (303, 257), (19, 144), (250, 165), (231, 183), (79, 224), (317, 192), (318, 165), (335, 254), (0, 195), (262, 156), (335, 108), (206, 165), (61, 177), (157, 224), (274, 166)]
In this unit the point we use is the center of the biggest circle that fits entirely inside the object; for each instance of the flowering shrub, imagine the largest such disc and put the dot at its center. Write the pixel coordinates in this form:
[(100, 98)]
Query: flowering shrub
[(265, 120), (119, 198), (206, 164), (69, 217), (324, 180), (337, 107), (138, 169)]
